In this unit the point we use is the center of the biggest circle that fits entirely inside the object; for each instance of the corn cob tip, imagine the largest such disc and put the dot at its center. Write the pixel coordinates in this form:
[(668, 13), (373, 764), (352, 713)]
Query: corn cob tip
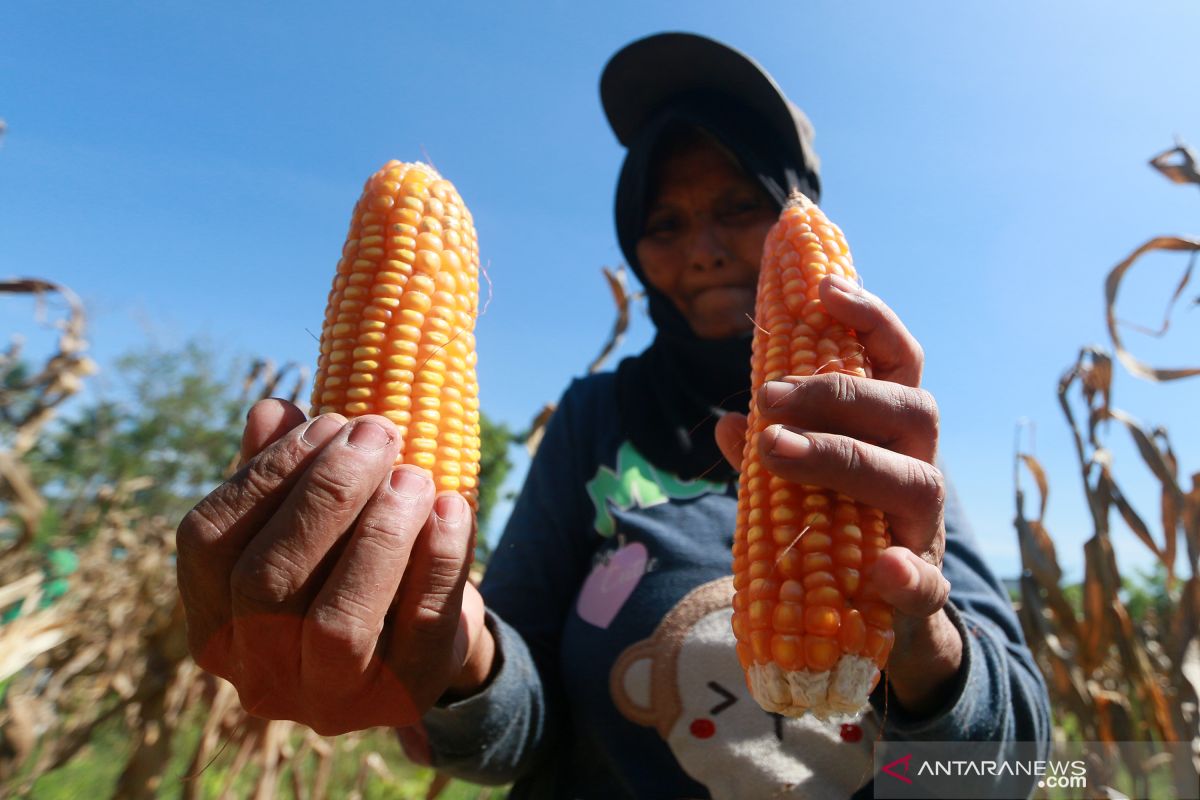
[(797, 199), (838, 692)]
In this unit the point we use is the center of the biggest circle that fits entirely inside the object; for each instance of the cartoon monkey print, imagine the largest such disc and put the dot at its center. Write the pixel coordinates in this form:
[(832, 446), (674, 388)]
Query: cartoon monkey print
[(685, 681)]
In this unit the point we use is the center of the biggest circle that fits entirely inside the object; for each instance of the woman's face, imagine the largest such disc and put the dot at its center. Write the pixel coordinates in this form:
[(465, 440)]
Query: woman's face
[(704, 237)]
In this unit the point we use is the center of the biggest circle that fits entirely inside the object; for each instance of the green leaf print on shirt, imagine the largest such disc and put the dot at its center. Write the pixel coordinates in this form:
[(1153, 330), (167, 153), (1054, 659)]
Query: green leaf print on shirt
[(637, 483)]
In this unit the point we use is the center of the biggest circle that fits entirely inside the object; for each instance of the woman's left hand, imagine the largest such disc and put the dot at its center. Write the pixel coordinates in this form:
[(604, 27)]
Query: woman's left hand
[(873, 439)]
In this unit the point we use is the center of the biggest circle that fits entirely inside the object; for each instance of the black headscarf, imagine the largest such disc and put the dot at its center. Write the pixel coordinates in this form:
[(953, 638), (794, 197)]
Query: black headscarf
[(671, 395)]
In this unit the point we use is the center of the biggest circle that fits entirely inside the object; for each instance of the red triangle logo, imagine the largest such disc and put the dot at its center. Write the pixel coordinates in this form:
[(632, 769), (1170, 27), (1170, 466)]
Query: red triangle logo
[(904, 762)]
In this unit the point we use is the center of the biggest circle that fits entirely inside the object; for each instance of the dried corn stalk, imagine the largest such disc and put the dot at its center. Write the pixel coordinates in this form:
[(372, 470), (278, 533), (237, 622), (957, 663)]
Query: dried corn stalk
[(1122, 681), (20, 422)]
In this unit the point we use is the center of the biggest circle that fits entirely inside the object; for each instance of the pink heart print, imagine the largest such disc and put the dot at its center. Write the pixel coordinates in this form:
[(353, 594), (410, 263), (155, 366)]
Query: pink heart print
[(610, 584)]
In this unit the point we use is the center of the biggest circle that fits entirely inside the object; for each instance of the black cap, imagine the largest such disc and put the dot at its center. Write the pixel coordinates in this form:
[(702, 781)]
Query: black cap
[(648, 73)]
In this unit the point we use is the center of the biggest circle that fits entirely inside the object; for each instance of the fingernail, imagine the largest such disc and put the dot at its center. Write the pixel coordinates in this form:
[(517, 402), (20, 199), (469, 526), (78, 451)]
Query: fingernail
[(321, 430), (409, 481), (789, 444), (773, 393), (843, 284), (450, 508), (368, 435)]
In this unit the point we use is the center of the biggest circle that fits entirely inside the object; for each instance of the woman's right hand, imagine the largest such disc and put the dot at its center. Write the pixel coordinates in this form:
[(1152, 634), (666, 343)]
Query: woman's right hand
[(327, 587)]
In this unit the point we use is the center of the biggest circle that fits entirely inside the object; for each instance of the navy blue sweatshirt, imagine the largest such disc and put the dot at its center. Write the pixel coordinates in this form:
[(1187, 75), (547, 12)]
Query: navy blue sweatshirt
[(609, 596)]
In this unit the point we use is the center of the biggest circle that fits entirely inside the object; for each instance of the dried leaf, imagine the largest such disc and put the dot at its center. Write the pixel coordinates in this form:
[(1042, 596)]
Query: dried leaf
[(20, 730), (437, 786), (1122, 727), (29, 636), (1148, 448), (1097, 628), (1131, 517), (1172, 506), (537, 428), (1191, 521), (25, 501), (61, 375), (1039, 476), (1183, 171), (20, 589), (270, 757), (1097, 375), (1093, 371), (246, 747), (122, 684), (323, 771), (623, 299), (1162, 329), (28, 286), (1066, 678), (253, 373), (1112, 285), (302, 376), (1138, 671), (1185, 677), (1037, 549)]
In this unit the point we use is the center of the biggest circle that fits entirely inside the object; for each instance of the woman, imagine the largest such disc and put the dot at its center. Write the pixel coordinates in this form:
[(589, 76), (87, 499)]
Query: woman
[(596, 659)]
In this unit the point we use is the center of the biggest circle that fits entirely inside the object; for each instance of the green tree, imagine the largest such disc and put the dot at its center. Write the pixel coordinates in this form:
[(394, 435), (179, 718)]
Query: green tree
[(1146, 596), (494, 467)]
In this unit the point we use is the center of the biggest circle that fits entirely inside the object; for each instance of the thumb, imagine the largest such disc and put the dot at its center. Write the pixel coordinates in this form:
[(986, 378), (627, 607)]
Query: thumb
[(731, 437)]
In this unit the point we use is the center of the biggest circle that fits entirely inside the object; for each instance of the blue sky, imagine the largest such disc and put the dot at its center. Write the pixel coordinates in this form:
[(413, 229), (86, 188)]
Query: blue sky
[(189, 169)]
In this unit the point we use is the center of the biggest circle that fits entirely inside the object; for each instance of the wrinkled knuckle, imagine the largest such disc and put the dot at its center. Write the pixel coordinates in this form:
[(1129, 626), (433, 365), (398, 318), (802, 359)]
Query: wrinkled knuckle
[(937, 594), (828, 388), (384, 542), (262, 476), (341, 629), (431, 624), (204, 538), (850, 454), (435, 615), (264, 580), (442, 575), (927, 409), (201, 527), (932, 486), (333, 491), (842, 388)]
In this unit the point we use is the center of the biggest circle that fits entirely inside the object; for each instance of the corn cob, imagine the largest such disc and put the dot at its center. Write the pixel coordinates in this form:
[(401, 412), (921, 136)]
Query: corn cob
[(398, 338), (811, 634)]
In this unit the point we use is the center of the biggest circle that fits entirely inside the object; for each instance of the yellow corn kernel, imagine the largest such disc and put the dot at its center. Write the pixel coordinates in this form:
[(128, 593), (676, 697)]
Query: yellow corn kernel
[(398, 337), (808, 628)]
